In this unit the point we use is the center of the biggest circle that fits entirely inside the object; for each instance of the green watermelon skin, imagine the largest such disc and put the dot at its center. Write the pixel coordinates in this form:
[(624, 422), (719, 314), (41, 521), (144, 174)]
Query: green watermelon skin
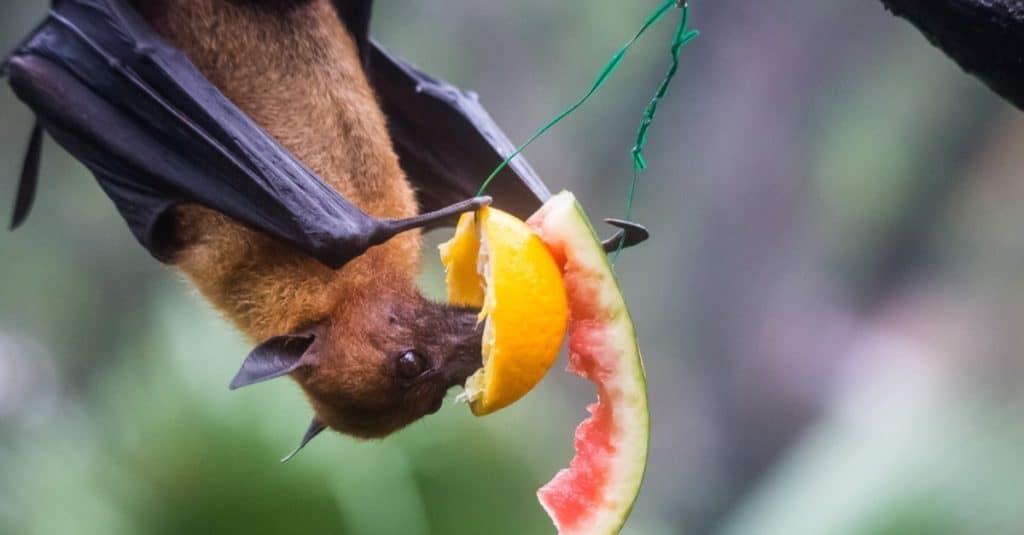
[(595, 495)]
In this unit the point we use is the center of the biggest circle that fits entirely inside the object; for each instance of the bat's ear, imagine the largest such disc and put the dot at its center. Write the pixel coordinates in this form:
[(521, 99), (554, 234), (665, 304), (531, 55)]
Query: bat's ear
[(276, 357), (315, 428)]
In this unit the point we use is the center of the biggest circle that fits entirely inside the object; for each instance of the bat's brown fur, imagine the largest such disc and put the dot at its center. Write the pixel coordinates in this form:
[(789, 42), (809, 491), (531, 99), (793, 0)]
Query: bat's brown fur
[(296, 73), (293, 68)]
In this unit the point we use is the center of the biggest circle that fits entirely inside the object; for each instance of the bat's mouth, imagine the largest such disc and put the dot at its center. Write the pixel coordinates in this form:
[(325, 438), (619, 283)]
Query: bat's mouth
[(465, 356), (436, 406), (461, 368)]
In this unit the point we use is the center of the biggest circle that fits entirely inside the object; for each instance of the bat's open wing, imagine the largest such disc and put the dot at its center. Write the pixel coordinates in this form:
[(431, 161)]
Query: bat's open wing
[(447, 142), (156, 133)]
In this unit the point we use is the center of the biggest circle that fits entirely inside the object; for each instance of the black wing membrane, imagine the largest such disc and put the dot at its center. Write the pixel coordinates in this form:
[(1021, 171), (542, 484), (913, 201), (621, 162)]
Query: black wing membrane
[(156, 133), (446, 141)]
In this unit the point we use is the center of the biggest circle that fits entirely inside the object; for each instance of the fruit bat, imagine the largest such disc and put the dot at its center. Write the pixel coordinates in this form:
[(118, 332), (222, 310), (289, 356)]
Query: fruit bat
[(284, 162)]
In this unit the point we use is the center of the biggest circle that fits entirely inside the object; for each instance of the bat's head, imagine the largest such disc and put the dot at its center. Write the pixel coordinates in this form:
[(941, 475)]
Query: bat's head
[(371, 370)]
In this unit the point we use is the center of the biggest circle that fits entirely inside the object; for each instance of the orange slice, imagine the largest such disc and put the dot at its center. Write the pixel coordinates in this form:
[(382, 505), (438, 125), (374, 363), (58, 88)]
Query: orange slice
[(497, 263)]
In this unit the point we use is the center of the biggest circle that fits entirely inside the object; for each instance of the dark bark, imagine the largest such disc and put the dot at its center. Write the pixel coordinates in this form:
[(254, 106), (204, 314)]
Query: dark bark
[(986, 37)]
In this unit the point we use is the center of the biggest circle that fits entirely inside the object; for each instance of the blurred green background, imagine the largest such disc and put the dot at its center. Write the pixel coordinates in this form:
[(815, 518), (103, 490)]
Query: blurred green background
[(831, 306)]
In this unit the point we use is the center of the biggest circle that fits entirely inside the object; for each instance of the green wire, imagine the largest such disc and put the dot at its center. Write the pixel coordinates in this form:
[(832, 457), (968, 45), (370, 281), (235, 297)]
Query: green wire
[(682, 37), (612, 65)]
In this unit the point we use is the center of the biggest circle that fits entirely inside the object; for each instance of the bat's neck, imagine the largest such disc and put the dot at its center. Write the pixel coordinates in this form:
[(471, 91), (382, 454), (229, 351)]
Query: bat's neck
[(295, 71)]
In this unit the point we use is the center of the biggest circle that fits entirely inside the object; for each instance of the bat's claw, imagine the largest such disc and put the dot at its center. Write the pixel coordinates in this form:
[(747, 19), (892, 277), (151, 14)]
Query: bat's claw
[(395, 226), (315, 428), (630, 234), (29, 178), (468, 205)]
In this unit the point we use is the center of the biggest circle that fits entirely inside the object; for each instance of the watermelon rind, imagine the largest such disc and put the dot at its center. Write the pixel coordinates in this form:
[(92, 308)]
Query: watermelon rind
[(565, 228)]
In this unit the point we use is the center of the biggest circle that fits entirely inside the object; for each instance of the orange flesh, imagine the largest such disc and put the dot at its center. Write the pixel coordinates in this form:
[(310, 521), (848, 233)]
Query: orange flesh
[(496, 262)]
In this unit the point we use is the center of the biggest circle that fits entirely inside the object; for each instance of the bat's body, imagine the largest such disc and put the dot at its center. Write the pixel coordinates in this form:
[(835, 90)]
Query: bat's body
[(296, 72), (284, 162)]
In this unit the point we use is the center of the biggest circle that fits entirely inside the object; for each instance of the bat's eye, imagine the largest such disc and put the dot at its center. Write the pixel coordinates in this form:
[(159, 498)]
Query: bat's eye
[(411, 365)]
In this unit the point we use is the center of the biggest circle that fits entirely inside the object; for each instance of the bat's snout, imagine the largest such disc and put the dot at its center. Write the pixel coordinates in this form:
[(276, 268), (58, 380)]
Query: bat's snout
[(465, 357)]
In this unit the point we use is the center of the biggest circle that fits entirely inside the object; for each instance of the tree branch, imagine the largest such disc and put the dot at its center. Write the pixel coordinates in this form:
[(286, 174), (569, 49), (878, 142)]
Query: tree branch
[(986, 37)]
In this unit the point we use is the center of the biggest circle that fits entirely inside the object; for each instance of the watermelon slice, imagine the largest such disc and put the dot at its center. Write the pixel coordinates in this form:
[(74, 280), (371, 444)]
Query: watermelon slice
[(596, 493)]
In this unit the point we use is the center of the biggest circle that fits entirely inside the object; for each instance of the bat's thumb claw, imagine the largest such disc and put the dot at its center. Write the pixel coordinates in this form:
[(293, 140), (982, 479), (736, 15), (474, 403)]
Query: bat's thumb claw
[(392, 227), (481, 201), (315, 428)]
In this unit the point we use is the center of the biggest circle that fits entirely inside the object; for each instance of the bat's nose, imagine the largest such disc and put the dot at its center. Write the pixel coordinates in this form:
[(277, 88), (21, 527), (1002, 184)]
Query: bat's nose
[(462, 370), (436, 406), (462, 366)]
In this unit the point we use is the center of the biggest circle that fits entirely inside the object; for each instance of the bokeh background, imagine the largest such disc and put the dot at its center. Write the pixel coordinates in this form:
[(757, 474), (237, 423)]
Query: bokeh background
[(831, 308)]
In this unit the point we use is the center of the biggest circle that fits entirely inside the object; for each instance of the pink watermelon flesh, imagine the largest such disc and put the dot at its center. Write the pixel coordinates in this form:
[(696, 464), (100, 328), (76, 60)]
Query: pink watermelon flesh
[(596, 493)]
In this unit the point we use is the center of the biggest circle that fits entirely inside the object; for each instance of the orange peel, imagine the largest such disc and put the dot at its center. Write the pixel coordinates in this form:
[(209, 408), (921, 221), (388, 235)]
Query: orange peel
[(497, 262)]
